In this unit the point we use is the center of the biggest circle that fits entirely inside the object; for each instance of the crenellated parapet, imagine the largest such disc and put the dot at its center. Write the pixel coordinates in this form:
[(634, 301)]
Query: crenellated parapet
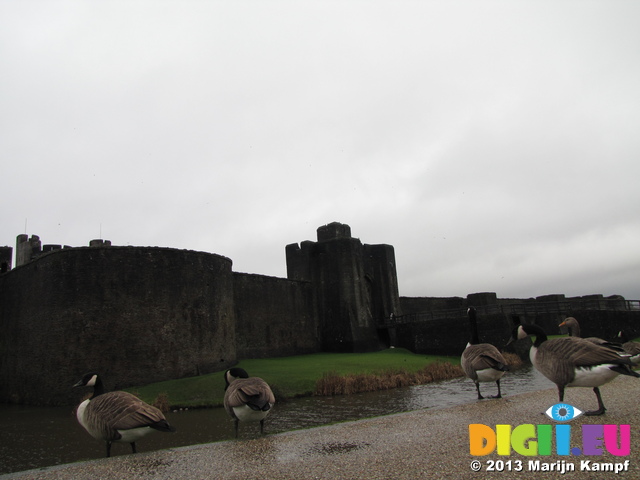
[(30, 248)]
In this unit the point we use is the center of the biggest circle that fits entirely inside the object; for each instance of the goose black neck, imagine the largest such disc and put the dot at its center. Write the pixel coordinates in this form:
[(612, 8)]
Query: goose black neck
[(98, 388), (539, 333)]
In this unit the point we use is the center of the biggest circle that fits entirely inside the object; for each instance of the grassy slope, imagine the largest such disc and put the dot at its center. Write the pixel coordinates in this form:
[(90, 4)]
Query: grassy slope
[(288, 376)]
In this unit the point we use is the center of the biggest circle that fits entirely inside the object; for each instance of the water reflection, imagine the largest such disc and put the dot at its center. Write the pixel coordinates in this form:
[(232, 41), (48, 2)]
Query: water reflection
[(34, 437)]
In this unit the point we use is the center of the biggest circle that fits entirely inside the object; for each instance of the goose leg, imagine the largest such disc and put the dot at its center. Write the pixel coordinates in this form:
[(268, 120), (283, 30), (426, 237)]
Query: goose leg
[(133, 447), (235, 426), (560, 393), (480, 397), (499, 395), (601, 408), (262, 426), (108, 449)]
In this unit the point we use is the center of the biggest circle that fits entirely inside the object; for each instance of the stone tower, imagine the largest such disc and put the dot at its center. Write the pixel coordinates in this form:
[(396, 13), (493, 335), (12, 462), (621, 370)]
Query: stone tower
[(27, 248), (6, 254), (356, 286)]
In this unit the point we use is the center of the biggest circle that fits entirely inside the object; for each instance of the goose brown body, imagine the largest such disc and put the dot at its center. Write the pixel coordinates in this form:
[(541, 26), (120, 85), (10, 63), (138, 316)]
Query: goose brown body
[(110, 415), (247, 398), (118, 416), (561, 358), (574, 362)]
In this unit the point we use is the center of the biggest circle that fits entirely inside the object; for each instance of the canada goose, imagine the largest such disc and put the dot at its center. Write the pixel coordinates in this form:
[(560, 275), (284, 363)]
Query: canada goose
[(573, 329), (246, 398), (630, 348), (573, 362), (117, 416), (482, 362)]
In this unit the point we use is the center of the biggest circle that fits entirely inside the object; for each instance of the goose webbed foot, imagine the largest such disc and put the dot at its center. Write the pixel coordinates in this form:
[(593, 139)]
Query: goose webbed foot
[(601, 409)]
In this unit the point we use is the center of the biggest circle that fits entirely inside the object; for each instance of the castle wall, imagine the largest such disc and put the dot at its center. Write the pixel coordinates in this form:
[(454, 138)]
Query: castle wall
[(409, 305), (137, 315), (449, 336), (145, 314), (274, 316), (449, 333)]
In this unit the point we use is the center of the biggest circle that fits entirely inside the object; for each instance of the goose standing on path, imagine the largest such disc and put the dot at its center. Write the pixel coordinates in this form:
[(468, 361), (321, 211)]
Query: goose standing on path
[(117, 416), (574, 362), (246, 399), (482, 362), (573, 329)]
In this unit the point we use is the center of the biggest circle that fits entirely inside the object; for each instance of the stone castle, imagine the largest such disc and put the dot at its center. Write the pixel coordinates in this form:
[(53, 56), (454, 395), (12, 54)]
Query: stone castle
[(147, 314)]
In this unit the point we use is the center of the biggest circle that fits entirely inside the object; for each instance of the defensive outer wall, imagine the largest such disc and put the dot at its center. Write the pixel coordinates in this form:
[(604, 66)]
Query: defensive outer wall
[(145, 314)]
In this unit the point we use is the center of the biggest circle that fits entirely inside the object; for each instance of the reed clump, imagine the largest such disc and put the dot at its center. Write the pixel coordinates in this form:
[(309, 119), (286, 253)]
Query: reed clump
[(332, 383), (513, 360), (162, 402)]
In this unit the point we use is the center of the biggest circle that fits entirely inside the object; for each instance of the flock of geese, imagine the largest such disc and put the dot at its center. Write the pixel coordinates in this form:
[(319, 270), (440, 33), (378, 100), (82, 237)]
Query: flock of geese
[(568, 361), (122, 417)]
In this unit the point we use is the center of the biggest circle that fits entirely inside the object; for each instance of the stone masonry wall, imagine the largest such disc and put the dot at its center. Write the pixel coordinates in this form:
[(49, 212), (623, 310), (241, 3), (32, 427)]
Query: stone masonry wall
[(274, 317), (135, 314)]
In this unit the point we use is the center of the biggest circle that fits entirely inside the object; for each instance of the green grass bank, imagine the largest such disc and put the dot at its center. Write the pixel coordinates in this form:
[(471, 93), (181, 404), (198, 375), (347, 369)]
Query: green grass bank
[(291, 376)]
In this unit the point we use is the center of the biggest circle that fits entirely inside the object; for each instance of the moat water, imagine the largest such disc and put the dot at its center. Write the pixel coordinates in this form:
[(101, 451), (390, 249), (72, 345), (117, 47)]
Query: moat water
[(35, 437)]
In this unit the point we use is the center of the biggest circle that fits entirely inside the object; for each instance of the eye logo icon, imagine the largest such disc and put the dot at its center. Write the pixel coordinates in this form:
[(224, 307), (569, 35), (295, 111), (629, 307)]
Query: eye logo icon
[(563, 412)]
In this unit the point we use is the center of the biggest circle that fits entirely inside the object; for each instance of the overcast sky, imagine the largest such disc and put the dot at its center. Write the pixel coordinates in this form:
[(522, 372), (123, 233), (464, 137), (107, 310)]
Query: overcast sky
[(494, 144)]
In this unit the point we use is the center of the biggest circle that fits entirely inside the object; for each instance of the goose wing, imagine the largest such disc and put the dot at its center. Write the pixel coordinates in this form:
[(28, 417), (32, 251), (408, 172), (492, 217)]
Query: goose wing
[(579, 352), (115, 411), (604, 343), (248, 391), (480, 357)]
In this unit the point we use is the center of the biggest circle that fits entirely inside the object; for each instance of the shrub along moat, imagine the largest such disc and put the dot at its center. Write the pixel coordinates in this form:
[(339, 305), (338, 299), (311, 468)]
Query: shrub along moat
[(315, 374)]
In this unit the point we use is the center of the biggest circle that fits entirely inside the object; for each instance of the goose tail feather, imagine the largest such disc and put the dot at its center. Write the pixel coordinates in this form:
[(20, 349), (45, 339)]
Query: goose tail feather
[(625, 370), (503, 367), (163, 426)]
